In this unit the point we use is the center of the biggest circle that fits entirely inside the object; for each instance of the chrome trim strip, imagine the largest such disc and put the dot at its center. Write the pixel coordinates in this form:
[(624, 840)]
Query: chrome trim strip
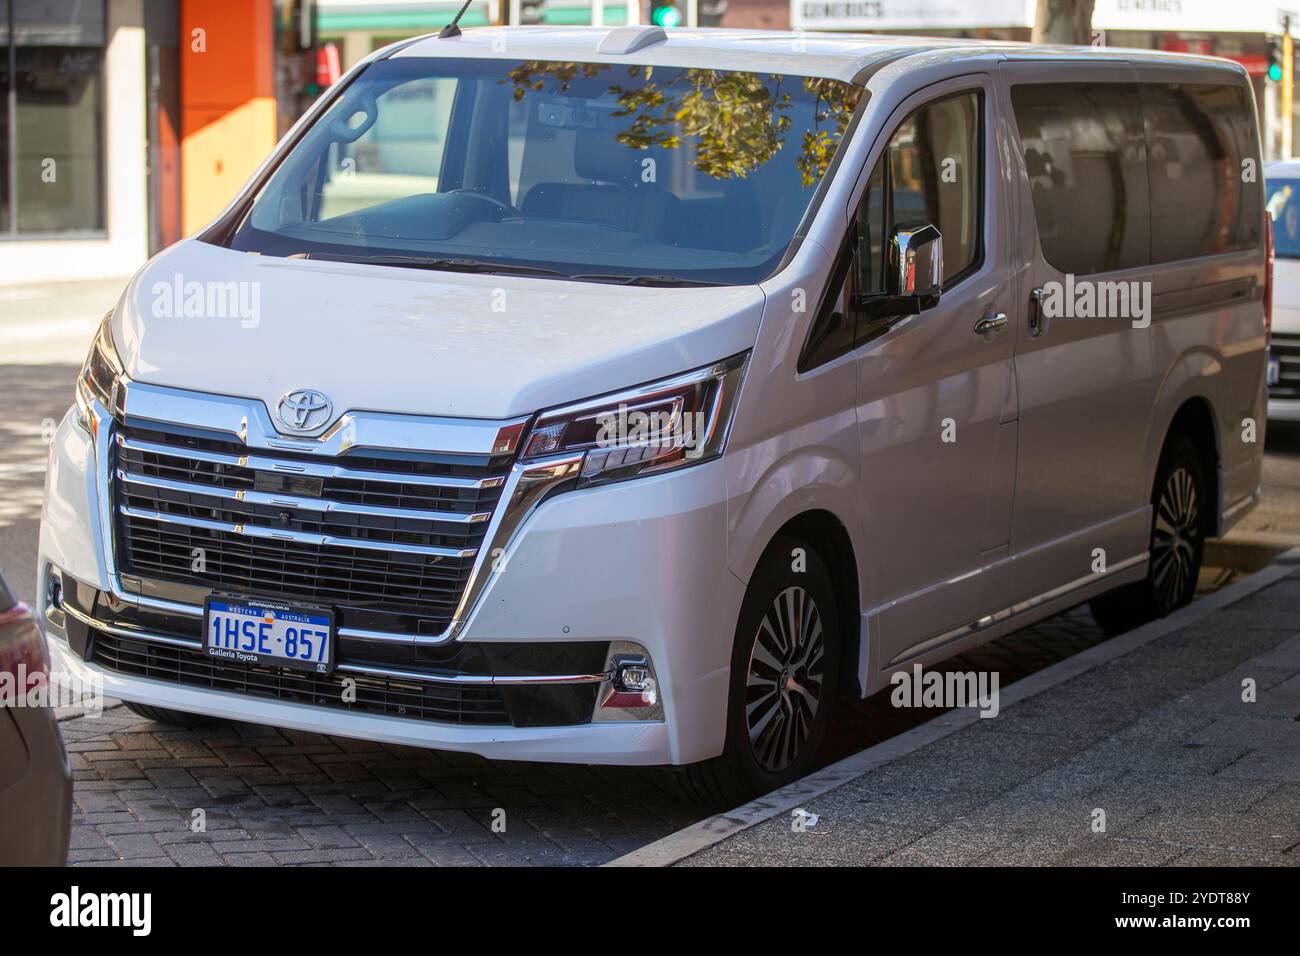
[(480, 680), (526, 488), (320, 505), (300, 537), (130, 632), (248, 421), (312, 468), (1245, 502), (997, 617)]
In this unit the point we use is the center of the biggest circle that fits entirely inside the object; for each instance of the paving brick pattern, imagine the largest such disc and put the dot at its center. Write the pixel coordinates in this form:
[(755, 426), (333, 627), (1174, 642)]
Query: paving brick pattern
[(281, 797)]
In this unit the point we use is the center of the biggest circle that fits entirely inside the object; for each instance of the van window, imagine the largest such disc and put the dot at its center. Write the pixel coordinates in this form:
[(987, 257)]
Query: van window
[(1084, 153), (1197, 139), (599, 170), (930, 172), (934, 176), (401, 154)]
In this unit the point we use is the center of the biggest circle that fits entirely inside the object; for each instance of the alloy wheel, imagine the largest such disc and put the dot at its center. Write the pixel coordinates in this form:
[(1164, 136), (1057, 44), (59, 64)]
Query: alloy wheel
[(784, 683), (1175, 539)]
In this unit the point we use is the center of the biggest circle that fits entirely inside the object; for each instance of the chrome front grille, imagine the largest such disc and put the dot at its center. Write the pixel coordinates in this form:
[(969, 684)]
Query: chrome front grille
[(389, 540), (1285, 347)]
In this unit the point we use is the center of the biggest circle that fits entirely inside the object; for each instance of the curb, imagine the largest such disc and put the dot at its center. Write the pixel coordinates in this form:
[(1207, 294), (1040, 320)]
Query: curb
[(715, 829)]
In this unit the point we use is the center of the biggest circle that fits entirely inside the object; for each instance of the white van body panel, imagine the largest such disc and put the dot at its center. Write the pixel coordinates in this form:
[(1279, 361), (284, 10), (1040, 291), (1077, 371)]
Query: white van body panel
[(417, 342)]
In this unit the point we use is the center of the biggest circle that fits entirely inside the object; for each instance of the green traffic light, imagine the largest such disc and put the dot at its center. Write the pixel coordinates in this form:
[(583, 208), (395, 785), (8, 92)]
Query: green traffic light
[(1275, 72), (666, 17)]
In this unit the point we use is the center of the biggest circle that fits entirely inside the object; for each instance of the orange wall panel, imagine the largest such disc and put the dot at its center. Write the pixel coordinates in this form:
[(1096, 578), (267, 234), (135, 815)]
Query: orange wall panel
[(227, 54)]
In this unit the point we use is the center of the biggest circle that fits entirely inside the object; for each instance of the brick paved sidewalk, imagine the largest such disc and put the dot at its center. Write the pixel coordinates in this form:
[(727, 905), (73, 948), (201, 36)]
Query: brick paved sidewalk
[(1158, 739), (283, 797), (286, 797)]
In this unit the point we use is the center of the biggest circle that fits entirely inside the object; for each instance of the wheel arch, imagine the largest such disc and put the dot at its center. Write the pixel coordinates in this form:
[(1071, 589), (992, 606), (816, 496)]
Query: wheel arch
[(826, 534), (1195, 419)]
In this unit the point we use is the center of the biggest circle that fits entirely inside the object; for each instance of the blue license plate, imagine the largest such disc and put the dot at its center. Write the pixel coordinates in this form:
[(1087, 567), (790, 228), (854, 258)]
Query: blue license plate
[(1274, 371), (274, 635)]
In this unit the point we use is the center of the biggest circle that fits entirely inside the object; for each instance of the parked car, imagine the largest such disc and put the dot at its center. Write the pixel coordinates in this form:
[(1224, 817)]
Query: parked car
[(1283, 204), (618, 397), (35, 777)]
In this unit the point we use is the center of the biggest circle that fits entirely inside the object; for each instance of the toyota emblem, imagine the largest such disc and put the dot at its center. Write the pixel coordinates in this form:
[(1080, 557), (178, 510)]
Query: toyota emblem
[(303, 410)]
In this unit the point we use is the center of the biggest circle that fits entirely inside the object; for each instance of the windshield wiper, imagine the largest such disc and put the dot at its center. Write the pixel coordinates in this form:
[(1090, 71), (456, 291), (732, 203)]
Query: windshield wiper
[(443, 264), (662, 280)]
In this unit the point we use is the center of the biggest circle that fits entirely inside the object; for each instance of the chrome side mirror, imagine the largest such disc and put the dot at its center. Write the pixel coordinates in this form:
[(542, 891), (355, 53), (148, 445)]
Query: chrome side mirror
[(914, 263)]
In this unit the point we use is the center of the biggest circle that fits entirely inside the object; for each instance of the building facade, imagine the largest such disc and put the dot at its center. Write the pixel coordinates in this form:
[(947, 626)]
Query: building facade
[(127, 124), (1248, 31)]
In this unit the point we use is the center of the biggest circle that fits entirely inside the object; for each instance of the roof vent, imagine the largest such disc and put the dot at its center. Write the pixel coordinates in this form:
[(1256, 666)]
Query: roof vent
[(625, 40)]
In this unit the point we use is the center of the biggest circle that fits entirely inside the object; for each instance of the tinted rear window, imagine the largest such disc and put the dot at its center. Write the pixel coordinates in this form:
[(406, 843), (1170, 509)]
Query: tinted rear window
[(1197, 139), (1084, 155), (1126, 174)]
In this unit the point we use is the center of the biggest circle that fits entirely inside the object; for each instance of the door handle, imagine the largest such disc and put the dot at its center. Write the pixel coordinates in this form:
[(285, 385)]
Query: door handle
[(1037, 317), (990, 324)]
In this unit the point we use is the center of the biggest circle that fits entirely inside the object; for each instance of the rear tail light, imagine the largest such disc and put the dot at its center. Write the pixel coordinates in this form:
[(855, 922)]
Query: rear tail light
[(1268, 277)]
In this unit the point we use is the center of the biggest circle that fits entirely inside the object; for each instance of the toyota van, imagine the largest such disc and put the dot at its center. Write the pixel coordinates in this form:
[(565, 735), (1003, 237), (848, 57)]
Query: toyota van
[(622, 396)]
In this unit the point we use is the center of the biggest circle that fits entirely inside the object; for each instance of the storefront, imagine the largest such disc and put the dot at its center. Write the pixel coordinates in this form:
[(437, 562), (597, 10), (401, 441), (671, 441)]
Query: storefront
[(72, 125), (1246, 31), (127, 124)]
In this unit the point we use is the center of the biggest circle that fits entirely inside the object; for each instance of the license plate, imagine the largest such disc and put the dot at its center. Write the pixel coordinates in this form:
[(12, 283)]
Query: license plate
[(1274, 371), (276, 635)]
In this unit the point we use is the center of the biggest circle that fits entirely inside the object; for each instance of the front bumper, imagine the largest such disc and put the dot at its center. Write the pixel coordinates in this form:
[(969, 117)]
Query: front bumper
[(1284, 410), (641, 562)]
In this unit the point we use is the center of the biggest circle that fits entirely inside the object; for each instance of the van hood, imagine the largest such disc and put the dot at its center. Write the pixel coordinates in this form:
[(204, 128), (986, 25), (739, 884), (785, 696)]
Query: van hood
[(391, 339)]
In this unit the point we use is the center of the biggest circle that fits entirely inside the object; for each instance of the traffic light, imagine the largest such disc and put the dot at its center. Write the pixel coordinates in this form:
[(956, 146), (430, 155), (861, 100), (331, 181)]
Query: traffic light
[(1275, 59), (532, 11), (666, 15)]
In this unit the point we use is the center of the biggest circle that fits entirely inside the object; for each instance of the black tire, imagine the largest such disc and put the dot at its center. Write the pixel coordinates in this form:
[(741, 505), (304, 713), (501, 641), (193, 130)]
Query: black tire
[(789, 732), (1179, 503), (165, 715)]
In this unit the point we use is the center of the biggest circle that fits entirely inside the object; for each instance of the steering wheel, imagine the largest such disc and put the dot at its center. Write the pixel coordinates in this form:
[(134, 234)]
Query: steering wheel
[(504, 206)]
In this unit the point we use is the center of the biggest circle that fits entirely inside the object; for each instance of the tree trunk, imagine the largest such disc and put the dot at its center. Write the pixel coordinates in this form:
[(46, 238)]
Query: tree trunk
[(1063, 21)]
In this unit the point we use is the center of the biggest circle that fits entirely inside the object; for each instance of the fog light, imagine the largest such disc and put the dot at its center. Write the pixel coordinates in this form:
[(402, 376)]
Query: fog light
[(54, 588), (632, 692), (633, 684)]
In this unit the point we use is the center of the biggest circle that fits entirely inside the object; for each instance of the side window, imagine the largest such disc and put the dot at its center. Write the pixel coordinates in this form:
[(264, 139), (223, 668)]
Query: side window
[(934, 177), (931, 172), (1197, 138), (1085, 156)]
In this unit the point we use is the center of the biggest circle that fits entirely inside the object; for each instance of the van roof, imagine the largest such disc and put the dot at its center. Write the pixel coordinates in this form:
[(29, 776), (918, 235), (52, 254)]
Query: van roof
[(843, 56)]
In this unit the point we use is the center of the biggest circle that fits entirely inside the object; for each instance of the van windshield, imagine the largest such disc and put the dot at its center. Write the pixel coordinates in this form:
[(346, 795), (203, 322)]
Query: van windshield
[(638, 174), (1284, 206)]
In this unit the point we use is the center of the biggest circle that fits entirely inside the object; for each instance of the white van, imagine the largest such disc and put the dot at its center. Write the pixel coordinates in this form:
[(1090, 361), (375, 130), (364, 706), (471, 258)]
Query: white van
[(610, 396), (1283, 205)]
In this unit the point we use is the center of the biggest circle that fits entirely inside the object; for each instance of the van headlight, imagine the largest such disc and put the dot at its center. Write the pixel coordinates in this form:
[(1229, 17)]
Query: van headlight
[(100, 375), (672, 423)]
